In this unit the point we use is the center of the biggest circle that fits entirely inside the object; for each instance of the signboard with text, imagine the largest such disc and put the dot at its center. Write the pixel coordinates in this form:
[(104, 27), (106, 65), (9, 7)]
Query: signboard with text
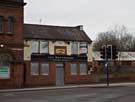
[(60, 50), (83, 48), (4, 72), (62, 58)]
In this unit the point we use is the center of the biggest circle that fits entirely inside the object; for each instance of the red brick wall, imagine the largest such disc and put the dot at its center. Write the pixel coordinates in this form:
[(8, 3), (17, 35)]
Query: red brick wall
[(15, 40), (71, 78), (16, 77), (18, 24), (76, 79), (40, 80)]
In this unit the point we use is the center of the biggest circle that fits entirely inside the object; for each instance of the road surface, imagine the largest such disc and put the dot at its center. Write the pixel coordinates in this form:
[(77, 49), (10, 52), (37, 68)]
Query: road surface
[(112, 94)]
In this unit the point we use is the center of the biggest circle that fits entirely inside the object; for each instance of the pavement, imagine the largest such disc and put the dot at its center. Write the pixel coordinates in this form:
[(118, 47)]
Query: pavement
[(70, 86)]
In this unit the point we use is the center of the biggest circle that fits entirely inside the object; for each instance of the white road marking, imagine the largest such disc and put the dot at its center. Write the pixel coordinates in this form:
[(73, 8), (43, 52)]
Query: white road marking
[(8, 94)]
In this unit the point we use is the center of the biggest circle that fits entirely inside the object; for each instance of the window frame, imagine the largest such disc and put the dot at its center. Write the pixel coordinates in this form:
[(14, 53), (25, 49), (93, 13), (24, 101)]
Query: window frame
[(71, 67), (5, 63), (37, 48), (74, 52), (83, 73), (10, 25), (1, 24), (31, 73), (41, 52), (44, 74)]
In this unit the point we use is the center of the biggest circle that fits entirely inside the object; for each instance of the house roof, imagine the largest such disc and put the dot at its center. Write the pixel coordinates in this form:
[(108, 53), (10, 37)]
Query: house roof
[(16, 0), (12, 2), (123, 56), (34, 31)]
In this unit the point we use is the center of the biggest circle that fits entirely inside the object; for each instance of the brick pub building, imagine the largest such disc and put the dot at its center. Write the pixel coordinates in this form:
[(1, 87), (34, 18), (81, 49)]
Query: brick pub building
[(39, 55), (56, 55)]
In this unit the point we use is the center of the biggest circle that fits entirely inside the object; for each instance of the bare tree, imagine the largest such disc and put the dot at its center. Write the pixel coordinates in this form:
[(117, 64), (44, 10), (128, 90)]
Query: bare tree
[(119, 36), (105, 38)]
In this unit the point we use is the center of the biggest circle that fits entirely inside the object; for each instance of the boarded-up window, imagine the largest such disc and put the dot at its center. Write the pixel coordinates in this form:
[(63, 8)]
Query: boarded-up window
[(45, 69), (83, 69), (44, 47), (34, 68), (35, 47), (74, 48), (73, 69), (40, 47)]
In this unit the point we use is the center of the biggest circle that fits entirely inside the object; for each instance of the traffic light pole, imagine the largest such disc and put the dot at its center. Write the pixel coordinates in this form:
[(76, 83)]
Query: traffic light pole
[(106, 67), (108, 52), (107, 72)]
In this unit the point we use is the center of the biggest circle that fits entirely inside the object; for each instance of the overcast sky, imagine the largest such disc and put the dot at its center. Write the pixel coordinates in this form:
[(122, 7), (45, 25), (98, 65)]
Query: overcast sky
[(95, 15)]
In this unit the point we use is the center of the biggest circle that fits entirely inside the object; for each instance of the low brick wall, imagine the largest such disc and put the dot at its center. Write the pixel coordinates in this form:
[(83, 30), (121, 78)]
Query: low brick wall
[(119, 79)]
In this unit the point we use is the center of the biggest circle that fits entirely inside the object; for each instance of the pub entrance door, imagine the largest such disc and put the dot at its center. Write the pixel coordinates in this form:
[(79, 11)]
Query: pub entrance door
[(59, 74)]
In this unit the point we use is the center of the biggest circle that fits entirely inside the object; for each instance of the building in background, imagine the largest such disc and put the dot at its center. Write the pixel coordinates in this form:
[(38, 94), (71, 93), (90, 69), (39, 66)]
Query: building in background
[(121, 69), (125, 59)]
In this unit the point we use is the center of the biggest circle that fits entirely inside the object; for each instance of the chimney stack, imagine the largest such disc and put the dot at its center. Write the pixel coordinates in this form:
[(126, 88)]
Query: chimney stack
[(80, 27)]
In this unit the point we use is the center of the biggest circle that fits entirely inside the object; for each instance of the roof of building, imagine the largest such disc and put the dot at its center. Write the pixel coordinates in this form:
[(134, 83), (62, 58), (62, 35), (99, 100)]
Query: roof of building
[(12, 2), (17, 0), (34, 31), (123, 56)]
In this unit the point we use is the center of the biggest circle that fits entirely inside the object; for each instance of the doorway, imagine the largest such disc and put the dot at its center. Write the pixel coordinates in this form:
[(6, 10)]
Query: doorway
[(60, 74)]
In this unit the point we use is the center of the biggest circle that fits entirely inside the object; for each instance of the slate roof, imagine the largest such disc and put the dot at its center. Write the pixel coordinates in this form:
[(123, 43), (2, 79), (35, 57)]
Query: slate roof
[(34, 31), (12, 2), (17, 0)]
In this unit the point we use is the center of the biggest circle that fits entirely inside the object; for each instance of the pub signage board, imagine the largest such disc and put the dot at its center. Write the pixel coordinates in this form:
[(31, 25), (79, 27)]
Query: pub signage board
[(62, 58)]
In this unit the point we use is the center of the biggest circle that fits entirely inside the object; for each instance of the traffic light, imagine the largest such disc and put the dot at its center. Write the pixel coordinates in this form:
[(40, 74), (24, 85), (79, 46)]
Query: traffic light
[(114, 52), (103, 52), (109, 51)]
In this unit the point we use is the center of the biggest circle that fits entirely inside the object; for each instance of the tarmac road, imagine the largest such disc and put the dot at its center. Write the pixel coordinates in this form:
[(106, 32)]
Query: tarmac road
[(112, 94)]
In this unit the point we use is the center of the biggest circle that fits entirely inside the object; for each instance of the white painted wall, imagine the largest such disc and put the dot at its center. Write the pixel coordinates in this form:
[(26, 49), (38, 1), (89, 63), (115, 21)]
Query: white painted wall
[(27, 50), (52, 44), (90, 51)]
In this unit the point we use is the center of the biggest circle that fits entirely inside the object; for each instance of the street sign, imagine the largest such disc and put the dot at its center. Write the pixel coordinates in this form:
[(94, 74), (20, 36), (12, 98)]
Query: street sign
[(4, 72)]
